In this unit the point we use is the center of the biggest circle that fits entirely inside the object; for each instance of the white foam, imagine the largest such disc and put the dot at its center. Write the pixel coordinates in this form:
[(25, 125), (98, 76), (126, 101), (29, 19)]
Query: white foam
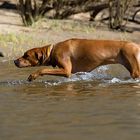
[(121, 81), (115, 80)]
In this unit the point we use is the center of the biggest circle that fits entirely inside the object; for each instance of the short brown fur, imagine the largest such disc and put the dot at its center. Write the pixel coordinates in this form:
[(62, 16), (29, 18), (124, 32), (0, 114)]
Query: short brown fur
[(81, 55)]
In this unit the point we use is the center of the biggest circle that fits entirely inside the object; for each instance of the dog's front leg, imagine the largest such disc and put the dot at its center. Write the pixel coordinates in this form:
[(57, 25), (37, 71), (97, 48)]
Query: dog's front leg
[(46, 71)]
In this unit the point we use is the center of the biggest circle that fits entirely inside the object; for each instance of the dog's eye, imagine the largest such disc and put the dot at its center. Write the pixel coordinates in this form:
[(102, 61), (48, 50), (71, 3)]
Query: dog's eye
[(25, 55)]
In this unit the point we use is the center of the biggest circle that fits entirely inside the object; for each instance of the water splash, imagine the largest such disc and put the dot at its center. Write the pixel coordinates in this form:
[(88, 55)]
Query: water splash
[(102, 75), (82, 76)]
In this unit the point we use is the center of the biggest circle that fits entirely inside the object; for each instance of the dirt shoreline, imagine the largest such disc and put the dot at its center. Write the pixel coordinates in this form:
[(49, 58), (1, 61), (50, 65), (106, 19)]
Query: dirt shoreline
[(15, 38)]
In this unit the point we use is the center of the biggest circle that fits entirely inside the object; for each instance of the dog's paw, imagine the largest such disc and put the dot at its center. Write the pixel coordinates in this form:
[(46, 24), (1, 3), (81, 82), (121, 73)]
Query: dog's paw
[(32, 77)]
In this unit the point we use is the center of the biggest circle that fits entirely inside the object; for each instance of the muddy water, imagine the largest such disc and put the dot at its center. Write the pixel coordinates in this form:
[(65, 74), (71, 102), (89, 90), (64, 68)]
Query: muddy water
[(101, 105)]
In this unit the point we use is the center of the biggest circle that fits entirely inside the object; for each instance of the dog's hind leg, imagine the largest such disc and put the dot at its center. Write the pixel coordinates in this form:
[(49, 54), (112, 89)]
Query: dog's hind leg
[(131, 60)]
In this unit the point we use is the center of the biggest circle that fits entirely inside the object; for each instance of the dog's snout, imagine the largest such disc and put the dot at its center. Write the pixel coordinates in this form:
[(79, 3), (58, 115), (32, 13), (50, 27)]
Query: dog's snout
[(16, 62)]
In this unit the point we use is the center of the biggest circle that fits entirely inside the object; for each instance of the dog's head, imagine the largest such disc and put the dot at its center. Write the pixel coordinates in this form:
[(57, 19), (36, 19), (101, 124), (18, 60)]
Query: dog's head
[(34, 57)]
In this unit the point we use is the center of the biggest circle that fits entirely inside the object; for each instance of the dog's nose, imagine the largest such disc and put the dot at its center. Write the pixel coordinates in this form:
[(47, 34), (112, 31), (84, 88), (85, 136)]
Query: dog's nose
[(16, 62)]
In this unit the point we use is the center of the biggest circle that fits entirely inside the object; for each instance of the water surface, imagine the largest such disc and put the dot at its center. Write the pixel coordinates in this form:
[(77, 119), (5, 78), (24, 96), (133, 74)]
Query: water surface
[(101, 105)]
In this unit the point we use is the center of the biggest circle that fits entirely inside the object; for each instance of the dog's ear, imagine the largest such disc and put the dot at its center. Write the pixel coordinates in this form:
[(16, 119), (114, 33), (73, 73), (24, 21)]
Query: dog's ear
[(38, 55)]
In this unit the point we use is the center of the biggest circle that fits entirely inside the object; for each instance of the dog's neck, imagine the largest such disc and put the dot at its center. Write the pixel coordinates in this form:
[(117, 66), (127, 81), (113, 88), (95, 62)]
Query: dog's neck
[(47, 54)]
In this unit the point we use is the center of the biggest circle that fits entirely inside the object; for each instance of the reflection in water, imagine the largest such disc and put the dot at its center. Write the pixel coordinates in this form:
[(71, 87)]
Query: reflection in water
[(103, 104)]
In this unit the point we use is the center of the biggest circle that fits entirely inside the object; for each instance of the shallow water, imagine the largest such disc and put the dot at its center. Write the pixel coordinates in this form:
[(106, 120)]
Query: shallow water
[(101, 105)]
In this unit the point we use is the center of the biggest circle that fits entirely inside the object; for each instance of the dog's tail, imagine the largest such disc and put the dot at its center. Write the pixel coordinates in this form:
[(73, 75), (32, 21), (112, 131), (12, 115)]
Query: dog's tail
[(1, 54)]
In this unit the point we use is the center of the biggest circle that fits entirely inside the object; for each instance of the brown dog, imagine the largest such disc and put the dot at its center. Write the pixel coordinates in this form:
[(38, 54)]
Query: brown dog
[(81, 55)]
